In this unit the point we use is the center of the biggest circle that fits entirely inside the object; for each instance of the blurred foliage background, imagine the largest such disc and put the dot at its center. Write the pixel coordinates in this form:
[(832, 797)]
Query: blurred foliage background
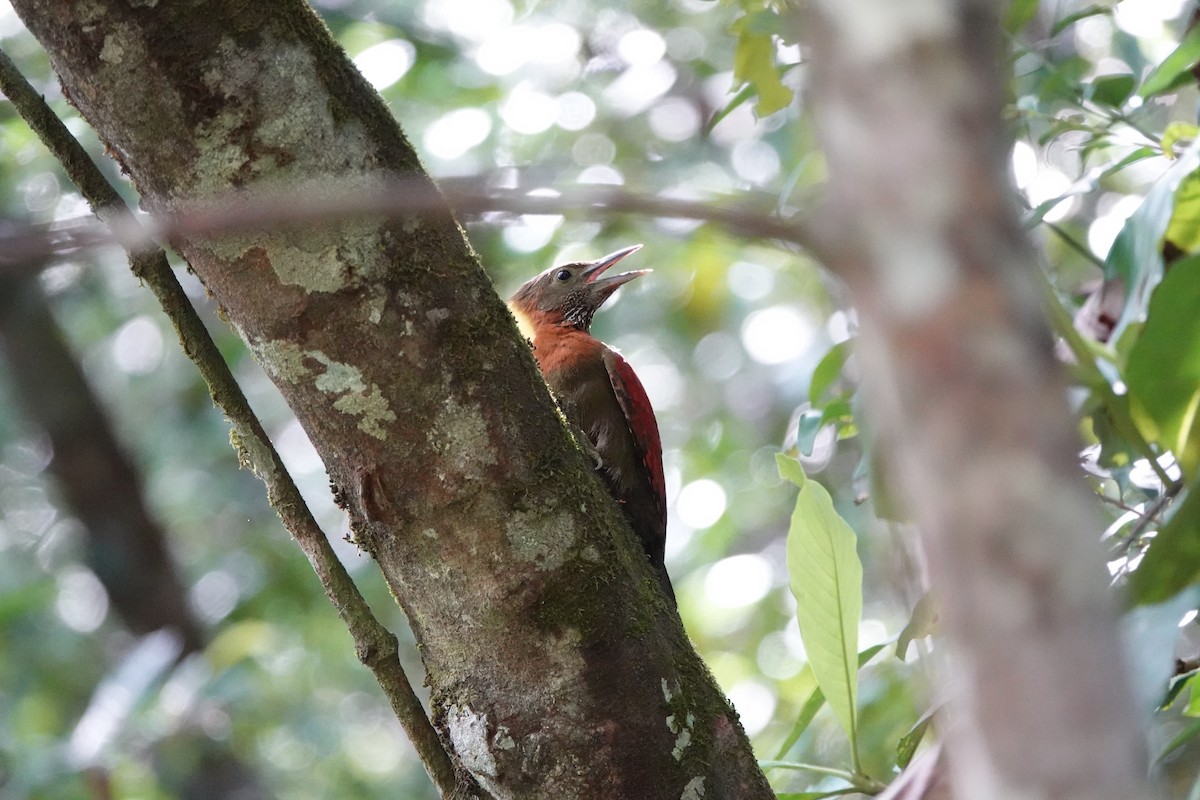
[(689, 99)]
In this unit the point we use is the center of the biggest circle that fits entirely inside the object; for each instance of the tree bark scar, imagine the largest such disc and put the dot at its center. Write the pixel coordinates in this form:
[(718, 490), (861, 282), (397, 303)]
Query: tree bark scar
[(372, 499)]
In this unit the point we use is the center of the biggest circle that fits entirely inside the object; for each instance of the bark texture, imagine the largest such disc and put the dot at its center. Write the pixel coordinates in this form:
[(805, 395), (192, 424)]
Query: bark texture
[(924, 227), (556, 668)]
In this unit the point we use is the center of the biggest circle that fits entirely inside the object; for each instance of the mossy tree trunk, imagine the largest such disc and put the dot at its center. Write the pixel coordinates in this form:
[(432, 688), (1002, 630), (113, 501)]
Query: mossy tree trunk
[(556, 669)]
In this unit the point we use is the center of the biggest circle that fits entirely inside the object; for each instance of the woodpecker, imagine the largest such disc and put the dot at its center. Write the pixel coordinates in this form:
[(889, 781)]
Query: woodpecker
[(598, 391)]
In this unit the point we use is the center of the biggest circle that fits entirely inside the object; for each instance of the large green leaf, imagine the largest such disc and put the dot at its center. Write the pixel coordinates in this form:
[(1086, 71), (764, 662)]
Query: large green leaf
[(1136, 254), (1163, 374), (826, 578), (1019, 14), (1183, 230), (1173, 560), (1112, 90), (1175, 68), (813, 704)]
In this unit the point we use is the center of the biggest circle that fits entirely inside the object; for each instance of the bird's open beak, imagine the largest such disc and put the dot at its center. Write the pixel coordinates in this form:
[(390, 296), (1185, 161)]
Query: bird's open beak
[(606, 286)]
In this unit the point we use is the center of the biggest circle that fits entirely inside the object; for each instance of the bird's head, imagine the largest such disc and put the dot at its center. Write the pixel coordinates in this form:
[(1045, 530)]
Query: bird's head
[(570, 294)]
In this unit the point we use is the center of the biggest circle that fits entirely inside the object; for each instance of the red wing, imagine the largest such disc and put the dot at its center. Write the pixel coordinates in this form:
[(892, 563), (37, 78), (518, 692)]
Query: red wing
[(636, 405)]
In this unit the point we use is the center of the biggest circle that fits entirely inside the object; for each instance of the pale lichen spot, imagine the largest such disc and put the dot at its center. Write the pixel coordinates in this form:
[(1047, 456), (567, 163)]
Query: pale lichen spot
[(683, 734), (283, 360), (89, 13), (469, 735), (374, 308), (503, 739), (310, 262), (358, 399), (113, 52), (694, 790), (546, 546), (286, 361), (286, 153), (669, 691), (253, 453), (460, 434)]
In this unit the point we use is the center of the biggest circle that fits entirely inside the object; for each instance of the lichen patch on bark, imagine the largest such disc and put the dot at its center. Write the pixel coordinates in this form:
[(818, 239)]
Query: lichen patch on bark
[(460, 434), (469, 735), (286, 361), (526, 534)]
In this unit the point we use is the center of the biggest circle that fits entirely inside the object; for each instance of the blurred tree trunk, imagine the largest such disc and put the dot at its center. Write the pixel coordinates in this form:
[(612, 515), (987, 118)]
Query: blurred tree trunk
[(923, 225), (125, 547), (556, 668)]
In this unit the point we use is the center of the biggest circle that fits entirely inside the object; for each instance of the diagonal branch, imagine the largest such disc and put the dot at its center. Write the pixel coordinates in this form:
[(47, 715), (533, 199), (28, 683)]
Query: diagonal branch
[(375, 646)]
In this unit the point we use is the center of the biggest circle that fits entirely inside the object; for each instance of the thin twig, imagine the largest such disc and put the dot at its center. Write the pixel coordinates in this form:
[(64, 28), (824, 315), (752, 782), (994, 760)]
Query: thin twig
[(1151, 514), (376, 646), (330, 202)]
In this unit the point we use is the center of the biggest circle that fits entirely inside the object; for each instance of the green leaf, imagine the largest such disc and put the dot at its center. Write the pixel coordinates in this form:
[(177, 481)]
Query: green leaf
[(1176, 132), (1175, 687), (1173, 561), (1193, 706), (1183, 230), (754, 64), (1018, 14), (1140, 154), (827, 371), (1175, 68), (1112, 90), (1163, 374), (1136, 254), (907, 746), (1179, 740), (814, 702), (826, 578), (1071, 19), (743, 94), (807, 427)]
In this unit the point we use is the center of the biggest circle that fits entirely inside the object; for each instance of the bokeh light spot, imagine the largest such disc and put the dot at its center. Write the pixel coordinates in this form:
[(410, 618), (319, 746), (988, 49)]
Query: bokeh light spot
[(641, 47), (528, 111), (777, 335), (137, 348), (738, 581), (453, 134), (674, 119), (575, 111), (701, 503), (754, 703), (81, 602), (385, 63)]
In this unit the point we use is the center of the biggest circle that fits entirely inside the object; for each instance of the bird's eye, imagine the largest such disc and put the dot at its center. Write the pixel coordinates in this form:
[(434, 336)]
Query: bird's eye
[(563, 274)]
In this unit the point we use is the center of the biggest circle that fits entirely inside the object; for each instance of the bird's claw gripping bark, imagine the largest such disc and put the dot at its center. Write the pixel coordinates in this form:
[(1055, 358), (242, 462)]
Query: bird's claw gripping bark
[(585, 444)]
